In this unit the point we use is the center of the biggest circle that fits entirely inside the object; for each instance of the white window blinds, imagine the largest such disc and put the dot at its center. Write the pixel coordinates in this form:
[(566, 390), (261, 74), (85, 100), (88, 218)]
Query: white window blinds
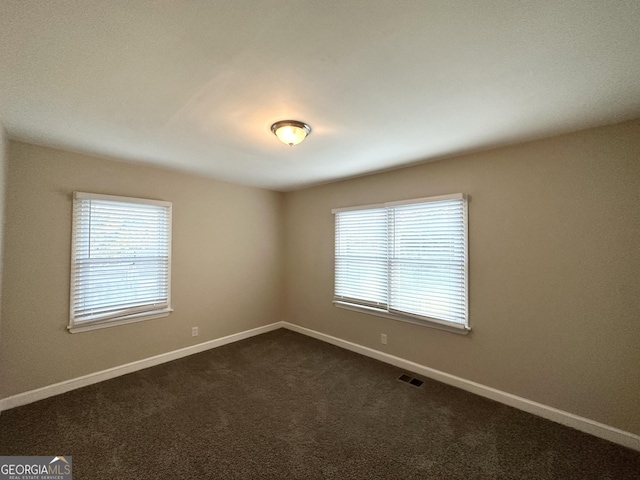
[(406, 258), (121, 258), (361, 256)]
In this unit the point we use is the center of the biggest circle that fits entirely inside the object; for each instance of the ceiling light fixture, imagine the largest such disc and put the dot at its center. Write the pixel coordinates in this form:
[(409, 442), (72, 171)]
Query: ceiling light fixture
[(290, 132)]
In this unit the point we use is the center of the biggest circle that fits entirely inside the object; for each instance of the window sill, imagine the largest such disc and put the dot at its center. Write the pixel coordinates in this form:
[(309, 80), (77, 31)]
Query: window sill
[(448, 327), (140, 317)]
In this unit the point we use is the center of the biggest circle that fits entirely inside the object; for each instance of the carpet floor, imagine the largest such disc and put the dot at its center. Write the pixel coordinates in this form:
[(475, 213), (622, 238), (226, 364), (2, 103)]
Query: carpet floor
[(285, 406)]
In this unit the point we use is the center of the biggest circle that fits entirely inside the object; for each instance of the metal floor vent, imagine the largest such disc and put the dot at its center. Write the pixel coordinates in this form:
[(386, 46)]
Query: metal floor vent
[(410, 380)]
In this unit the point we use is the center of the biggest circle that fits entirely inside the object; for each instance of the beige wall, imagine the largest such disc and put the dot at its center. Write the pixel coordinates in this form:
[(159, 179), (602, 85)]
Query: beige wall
[(226, 269), (554, 241)]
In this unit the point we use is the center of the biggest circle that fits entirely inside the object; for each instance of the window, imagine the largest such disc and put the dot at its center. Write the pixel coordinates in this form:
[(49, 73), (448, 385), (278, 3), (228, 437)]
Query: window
[(405, 260), (120, 260)]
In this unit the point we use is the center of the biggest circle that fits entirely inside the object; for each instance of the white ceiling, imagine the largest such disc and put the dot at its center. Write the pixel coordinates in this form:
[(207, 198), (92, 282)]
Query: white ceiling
[(195, 85)]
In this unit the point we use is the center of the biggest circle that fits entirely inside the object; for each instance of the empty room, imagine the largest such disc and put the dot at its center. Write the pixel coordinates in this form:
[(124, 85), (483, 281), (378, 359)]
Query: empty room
[(320, 240)]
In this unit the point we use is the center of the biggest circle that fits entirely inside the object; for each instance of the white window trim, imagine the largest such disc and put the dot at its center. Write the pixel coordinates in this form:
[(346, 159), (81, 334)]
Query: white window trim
[(439, 198), (140, 317), (406, 318), (453, 327), (134, 317)]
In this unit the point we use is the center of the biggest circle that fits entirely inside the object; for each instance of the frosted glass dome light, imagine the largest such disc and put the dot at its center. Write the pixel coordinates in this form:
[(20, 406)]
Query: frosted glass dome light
[(290, 132)]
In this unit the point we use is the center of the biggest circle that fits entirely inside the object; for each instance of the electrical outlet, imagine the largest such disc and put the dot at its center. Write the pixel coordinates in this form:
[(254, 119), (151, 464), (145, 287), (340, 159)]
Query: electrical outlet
[(194, 331), (383, 338)]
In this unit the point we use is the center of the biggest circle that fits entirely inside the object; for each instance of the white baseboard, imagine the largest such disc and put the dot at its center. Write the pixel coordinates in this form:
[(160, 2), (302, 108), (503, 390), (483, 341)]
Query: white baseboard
[(583, 424), (74, 383)]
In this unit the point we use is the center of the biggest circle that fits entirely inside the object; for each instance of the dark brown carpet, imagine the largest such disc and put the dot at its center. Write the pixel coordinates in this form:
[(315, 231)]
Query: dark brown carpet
[(282, 405)]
